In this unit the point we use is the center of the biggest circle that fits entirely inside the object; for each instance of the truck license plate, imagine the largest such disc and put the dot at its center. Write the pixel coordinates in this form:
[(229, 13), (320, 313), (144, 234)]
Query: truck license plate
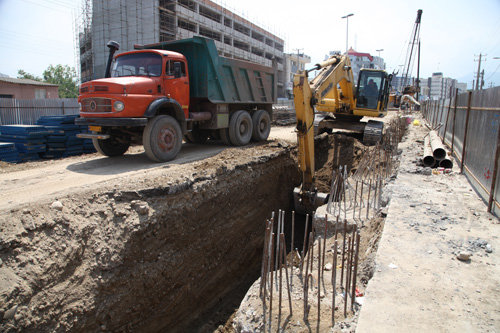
[(95, 128)]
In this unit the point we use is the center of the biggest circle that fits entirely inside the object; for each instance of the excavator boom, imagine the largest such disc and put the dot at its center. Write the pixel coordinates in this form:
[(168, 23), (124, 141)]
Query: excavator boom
[(332, 91)]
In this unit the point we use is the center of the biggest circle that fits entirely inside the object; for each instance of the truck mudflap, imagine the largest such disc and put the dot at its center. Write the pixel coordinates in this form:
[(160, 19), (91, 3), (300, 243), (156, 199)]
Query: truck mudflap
[(133, 122)]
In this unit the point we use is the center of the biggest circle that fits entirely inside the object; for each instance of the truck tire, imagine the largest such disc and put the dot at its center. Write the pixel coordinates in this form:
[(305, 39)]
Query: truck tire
[(240, 128), (261, 125), (162, 138), (224, 135), (110, 147)]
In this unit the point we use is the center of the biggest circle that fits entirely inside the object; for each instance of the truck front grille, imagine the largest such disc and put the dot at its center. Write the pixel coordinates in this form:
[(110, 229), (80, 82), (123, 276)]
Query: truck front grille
[(96, 105)]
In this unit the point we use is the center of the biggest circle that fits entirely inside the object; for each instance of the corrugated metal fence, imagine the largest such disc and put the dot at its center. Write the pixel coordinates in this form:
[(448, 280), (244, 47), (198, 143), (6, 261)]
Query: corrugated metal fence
[(471, 128), (27, 111)]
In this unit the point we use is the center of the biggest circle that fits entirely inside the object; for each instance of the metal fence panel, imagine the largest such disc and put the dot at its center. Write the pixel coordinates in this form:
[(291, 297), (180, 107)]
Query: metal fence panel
[(482, 136), (27, 112), (481, 145)]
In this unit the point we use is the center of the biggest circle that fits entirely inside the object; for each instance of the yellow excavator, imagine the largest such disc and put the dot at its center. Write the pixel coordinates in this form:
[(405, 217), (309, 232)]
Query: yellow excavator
[(333, 93)]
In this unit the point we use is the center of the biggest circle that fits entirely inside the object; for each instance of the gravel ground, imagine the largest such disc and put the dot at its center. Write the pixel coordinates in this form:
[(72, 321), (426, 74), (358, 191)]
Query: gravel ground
[(419, 283)]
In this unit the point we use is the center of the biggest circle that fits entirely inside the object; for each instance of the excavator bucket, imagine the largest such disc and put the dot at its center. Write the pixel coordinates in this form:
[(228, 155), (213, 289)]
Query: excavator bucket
[(307, 202)]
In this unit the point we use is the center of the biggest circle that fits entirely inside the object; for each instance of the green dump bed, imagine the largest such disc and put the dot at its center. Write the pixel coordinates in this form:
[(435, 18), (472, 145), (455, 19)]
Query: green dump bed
[(220, 79)]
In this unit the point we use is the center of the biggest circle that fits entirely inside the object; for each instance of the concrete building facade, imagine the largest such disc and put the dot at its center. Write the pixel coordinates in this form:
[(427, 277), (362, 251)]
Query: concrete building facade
[(27, 89), (360, 60), (132, 22), (293, 63)]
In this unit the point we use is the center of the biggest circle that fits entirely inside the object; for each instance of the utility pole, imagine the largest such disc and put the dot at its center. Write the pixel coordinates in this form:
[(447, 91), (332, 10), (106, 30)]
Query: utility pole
[(347, 31), (479, 70), (482, 79)]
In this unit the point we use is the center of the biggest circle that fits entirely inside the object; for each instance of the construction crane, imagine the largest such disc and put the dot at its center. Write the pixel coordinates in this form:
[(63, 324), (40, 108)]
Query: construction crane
[(406, 89), (332, 92)]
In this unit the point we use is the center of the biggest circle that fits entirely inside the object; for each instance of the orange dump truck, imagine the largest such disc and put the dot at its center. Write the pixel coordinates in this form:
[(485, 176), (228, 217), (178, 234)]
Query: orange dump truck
[(159, 94)]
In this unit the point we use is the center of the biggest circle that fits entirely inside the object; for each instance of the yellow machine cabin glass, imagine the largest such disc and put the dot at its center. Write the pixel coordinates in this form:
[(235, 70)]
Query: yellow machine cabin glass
[(370, 88)]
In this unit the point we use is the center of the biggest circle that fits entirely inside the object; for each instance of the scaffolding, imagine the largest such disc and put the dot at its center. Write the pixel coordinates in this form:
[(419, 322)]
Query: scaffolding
[(132, 22)]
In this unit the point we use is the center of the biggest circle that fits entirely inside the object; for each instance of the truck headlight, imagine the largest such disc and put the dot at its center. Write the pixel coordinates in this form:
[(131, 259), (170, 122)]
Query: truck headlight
[(119, 106)]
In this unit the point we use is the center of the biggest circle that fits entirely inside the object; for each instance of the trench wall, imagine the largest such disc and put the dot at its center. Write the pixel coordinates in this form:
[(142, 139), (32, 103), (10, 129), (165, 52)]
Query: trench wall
[(152, 259)]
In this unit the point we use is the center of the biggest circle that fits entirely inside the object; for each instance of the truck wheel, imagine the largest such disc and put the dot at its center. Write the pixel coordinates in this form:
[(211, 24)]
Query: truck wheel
[(224, 135), (196, 136), (240, 128), (110, 147), (261, 125), (162, 138)]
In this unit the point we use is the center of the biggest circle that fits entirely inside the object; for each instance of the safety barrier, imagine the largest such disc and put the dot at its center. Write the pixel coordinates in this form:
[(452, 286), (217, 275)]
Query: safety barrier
[(469, 124), (28, 111)]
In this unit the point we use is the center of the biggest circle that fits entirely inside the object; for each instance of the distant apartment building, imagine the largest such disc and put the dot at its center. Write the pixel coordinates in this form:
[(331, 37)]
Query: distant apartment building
[(132, 22), (361, 60), (440, 86), (293, 63)]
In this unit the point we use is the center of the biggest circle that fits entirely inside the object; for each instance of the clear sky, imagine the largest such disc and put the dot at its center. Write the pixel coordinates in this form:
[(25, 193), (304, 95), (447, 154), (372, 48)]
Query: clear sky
[(37, 33)]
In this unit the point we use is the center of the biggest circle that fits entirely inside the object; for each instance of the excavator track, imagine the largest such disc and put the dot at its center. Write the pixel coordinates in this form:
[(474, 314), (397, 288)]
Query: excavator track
[(373, 132)]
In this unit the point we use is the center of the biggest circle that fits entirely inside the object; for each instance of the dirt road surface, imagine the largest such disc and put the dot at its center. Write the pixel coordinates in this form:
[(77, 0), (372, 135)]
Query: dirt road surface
[(31, 182), (419, 284)]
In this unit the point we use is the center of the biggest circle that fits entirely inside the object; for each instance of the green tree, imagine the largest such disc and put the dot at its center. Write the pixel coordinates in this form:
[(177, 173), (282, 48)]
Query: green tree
[(64, 76), (21, 74)]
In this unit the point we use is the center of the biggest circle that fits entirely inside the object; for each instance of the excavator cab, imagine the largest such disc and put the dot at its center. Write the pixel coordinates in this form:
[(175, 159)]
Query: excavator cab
[(372, 92)]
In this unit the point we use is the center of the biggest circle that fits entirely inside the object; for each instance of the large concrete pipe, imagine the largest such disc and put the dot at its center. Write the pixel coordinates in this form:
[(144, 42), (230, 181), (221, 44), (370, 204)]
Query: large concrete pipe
[(437, 147), (428, 157), (446, 163)]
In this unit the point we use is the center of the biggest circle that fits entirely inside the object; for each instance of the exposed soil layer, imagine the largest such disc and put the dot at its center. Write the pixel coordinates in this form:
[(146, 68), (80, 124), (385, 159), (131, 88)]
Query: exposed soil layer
[(333, 151), (146, 254)]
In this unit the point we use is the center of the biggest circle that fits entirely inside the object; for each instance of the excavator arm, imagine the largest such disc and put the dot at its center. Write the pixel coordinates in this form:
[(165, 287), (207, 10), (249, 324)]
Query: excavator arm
[(323, 93)]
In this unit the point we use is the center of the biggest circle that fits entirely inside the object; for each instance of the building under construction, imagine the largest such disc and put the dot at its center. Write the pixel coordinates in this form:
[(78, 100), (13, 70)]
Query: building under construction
[(132, 22)]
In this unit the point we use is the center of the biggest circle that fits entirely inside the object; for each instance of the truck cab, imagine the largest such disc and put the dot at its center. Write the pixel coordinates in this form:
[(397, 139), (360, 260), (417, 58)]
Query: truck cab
[(159, 94)]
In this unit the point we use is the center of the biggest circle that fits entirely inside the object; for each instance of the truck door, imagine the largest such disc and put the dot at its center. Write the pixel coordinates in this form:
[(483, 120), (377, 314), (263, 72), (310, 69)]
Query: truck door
[(177, 83)]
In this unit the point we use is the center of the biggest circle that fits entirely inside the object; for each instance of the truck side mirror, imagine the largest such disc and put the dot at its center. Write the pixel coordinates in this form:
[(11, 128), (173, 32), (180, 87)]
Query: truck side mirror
[(177, 70)]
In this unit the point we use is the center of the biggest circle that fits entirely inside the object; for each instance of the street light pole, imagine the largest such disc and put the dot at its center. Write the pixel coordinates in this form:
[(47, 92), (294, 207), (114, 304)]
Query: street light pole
[(347, 31), (379, 50)]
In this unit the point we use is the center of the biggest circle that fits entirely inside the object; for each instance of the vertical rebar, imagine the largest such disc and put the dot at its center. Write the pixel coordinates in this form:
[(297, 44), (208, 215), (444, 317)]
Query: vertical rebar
[(271, 289), (270, 251), (353, 297), (292, 247), (348, 269), (324, 246), (304, 245), (312, 250), (280, 264), (278, 232), (319, 279), (334, 280), (287, 280), (343, 256), (264, 261)]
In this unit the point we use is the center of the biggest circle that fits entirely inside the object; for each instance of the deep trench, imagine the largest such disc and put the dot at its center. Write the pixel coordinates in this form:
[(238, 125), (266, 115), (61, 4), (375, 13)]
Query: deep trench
[(184, 267), (227, 236)]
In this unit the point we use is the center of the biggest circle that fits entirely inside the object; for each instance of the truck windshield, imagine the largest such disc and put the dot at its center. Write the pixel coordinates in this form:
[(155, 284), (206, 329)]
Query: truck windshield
[(137, 64)]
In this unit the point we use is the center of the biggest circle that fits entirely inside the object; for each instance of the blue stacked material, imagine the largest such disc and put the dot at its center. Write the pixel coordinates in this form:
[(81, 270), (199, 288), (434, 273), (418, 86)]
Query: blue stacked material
[(62, 140), (8, 152), (29, 140)]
